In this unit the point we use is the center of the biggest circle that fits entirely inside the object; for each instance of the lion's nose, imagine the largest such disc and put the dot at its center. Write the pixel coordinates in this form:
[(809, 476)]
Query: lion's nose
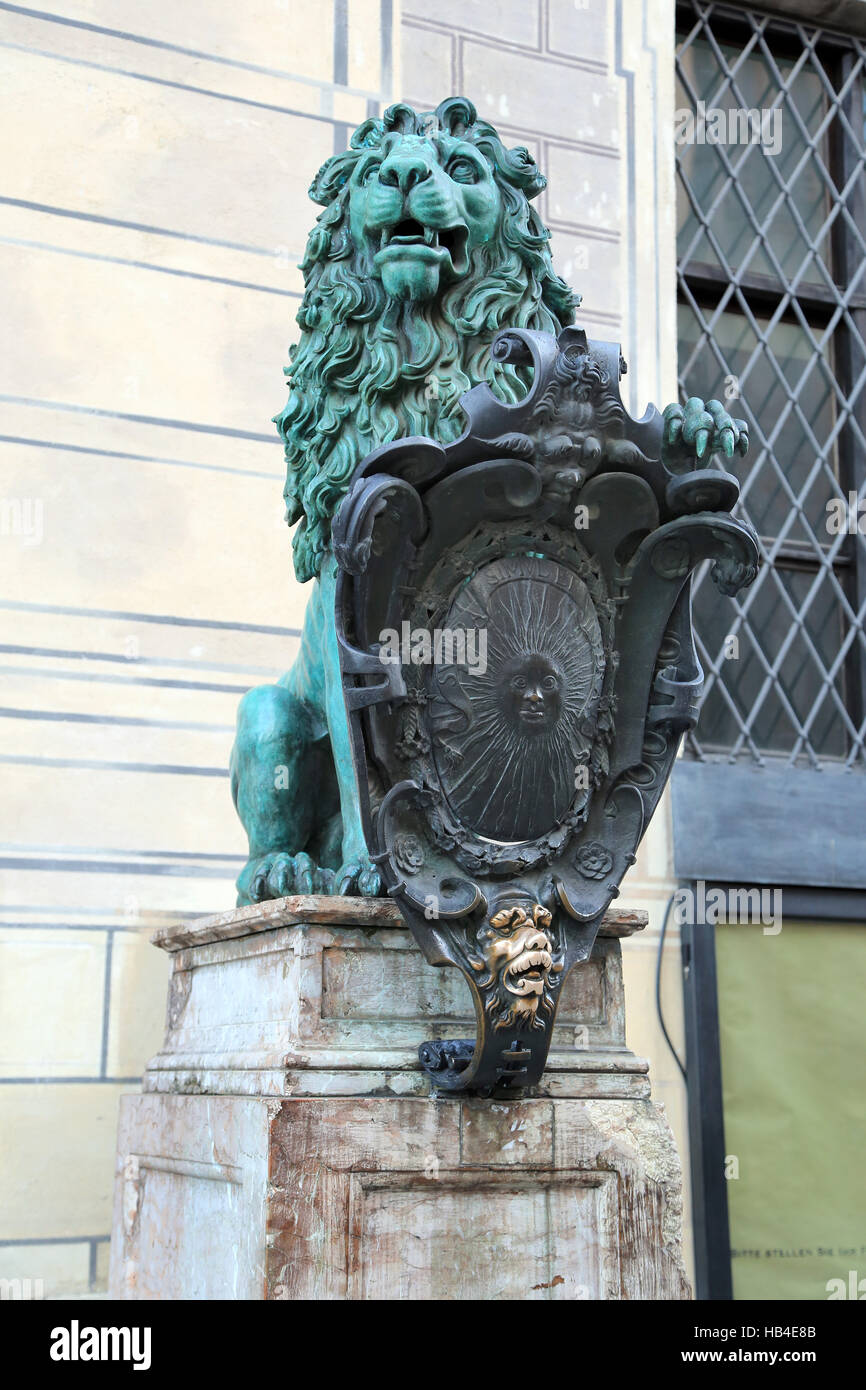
[(404, 171), (537, 942)]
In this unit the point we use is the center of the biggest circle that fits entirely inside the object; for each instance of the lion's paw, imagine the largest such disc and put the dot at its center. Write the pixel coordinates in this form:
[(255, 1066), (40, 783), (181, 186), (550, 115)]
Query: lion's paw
[(279, 874)]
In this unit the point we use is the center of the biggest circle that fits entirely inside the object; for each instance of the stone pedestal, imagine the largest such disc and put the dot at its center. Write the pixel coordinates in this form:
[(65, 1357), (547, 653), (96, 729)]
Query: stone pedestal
[(286, 1144)]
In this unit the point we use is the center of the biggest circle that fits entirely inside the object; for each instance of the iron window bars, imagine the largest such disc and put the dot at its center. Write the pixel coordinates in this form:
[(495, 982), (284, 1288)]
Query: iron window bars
[(772, 317)]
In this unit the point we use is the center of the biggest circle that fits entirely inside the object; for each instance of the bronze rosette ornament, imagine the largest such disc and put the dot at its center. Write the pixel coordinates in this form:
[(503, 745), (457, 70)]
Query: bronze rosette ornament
[(514, 619)]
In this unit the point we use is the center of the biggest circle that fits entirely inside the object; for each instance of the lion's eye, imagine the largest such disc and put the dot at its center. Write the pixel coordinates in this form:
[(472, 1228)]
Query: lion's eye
[(549, 682), (463, 171), (518, 683)]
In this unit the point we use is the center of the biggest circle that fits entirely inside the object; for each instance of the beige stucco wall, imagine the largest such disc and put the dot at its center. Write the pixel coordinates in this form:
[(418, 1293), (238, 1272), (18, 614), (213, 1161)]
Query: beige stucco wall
[(152, 211)]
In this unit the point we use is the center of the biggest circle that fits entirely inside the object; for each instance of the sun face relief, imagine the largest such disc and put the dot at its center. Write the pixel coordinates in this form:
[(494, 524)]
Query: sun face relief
[(506, 741), (421, 205), (533, 692)]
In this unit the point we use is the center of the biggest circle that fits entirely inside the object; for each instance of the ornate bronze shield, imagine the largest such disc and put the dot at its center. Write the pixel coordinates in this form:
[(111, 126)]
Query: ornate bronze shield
[(513, 612)]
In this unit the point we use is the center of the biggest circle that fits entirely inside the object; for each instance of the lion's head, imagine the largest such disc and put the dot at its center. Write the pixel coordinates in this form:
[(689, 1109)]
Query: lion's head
[(520, 961), (426, 248)]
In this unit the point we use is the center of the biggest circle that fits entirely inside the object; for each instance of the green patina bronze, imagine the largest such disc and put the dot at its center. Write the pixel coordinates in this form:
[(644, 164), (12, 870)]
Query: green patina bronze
[(427, 246), (396, 324)]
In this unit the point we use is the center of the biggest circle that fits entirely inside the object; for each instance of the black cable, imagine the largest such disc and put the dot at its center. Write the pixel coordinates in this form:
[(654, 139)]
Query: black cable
[(665, 1032)]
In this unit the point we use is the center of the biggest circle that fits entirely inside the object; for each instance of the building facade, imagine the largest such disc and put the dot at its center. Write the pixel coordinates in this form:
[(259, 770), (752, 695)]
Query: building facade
[(153, 211)]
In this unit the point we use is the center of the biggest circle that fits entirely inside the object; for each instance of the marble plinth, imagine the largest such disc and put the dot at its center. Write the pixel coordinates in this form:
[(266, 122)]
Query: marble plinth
[(286, 1144)]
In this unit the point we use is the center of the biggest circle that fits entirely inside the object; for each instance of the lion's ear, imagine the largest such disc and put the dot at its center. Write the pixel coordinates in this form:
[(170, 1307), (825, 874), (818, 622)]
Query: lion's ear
[(402, 118), (456, 115), (368, 135), (333, 177)]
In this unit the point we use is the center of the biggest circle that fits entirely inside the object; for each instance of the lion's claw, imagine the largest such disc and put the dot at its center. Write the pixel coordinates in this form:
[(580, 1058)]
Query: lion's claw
[(693, 432), (359, 878), (304, 873), (370, 883)]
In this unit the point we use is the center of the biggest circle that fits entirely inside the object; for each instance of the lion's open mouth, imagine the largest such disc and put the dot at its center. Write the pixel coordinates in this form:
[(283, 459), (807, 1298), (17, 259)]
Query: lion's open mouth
[(434, 240), (526, 973)]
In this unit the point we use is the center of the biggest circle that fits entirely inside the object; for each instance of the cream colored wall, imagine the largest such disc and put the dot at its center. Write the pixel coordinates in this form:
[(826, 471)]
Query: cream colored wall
[(153, 209)]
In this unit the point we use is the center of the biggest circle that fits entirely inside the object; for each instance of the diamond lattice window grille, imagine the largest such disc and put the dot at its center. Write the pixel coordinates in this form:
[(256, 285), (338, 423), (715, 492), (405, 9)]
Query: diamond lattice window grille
[(772, 319)]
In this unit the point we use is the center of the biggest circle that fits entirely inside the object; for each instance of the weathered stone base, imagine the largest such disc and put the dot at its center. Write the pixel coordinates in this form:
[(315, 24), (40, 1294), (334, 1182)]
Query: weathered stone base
[(330, 996), (237, 1197), (287, 1146)]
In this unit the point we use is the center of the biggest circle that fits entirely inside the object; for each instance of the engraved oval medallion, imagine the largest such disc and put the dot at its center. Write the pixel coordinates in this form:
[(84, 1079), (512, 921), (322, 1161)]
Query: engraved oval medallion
[(513, 713)]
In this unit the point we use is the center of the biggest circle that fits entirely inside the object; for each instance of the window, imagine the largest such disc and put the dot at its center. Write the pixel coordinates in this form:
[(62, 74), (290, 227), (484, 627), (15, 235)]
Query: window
[(772, 319)]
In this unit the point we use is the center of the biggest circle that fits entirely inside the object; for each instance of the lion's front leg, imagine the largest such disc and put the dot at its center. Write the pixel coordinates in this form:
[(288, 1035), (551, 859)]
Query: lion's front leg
[(357, 873), (284, 791)]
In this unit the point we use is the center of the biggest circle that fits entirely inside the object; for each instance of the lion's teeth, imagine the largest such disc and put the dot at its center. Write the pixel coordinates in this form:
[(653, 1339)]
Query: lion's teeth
[(428, 235)]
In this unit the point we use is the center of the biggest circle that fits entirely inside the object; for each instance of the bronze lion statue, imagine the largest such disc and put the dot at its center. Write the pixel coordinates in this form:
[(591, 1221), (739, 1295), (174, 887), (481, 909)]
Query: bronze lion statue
[(427, 246)]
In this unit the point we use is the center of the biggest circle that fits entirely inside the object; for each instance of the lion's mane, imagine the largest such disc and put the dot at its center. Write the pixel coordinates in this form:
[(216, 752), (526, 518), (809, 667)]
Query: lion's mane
[(369, 369)]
